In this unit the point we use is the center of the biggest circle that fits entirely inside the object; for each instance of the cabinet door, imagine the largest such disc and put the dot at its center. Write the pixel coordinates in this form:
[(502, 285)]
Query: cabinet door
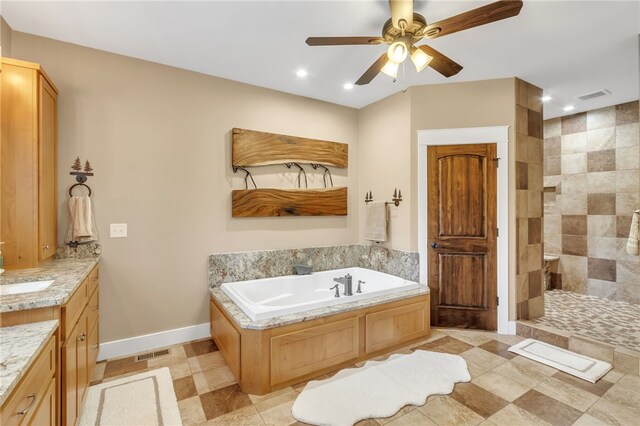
[(46, 412), (74, 371), (69, 394), (18, 171), (47, 206), (93, 346), (83, 360)]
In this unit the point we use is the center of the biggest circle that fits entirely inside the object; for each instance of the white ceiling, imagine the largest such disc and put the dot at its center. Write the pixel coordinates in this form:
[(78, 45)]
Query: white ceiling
[(568, 48)]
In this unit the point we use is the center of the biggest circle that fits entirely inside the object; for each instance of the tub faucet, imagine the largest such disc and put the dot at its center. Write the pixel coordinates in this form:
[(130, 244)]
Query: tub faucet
[(347, 280)]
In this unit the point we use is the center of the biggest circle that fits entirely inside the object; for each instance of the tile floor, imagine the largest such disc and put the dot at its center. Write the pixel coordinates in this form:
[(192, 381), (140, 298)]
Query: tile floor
[(605, 320), (506, 389)]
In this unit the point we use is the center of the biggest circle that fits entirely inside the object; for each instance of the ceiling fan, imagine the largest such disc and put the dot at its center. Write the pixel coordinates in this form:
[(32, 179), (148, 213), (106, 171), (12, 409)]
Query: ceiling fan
[(405, 28)]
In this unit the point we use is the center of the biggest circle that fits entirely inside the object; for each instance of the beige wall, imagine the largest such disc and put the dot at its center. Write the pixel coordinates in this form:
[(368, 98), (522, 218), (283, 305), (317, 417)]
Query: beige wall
[(459, 105), (389, 153), (385, 152), (159, 141), (6, 35)]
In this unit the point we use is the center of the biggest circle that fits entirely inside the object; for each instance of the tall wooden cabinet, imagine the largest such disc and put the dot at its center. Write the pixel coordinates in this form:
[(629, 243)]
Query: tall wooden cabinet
[(28, 146)]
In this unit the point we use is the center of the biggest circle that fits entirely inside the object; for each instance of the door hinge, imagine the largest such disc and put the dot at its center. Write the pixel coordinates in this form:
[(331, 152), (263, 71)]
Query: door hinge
[(497, 300), (497, 232), (497, 160)]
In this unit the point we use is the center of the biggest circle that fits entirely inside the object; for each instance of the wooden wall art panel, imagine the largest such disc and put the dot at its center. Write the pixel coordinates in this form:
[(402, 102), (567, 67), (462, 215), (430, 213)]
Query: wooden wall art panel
[(252, 148), (289, 202)]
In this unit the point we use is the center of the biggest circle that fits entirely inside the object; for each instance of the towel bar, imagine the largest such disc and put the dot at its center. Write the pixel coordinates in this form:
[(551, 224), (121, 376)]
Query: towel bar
[(397, 197)]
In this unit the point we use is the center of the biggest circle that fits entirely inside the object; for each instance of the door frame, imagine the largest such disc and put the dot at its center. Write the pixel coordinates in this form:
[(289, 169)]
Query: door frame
[(465, 136)]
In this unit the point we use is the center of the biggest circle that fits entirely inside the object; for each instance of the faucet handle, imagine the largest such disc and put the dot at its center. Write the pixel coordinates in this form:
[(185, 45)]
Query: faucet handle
[(359, 283), (337, 288)]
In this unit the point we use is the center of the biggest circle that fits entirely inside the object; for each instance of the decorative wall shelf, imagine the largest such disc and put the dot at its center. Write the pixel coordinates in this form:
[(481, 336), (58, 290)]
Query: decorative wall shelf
[(252, 148), (270, 202)]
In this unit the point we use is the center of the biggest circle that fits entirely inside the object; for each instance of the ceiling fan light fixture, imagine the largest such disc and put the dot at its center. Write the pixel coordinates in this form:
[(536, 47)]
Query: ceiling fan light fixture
[(390, 69), (420, 59), (397, 52)]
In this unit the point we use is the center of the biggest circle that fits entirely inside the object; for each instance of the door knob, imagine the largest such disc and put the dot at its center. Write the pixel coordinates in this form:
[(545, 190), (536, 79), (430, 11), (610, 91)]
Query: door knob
[(434, 245)]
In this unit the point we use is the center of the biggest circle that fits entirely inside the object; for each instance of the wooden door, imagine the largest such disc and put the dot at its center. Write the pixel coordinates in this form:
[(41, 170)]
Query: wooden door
[(47, 199), (462, 232)]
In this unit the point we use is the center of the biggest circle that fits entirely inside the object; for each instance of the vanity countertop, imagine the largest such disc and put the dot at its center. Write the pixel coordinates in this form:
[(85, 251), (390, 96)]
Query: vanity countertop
[(67, 274), (245, 322), (20, 346)]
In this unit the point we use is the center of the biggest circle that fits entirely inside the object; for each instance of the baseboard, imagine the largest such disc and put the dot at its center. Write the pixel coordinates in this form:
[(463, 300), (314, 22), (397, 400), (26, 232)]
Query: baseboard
[(133, 345)]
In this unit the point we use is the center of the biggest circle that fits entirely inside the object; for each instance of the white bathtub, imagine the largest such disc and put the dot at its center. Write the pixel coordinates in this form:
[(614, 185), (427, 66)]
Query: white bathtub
[(271, 297)]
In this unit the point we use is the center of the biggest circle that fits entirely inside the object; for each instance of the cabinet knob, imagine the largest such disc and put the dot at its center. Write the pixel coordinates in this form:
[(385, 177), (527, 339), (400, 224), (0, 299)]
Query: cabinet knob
[(82, 337), (45, 247)]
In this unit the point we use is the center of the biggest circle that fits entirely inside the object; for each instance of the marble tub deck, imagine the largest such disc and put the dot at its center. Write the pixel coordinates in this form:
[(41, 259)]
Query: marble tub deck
[(244, 321), (19, 346)]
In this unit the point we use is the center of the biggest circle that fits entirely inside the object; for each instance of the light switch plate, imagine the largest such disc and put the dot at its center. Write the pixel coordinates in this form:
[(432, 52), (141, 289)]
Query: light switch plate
[(118, 230)]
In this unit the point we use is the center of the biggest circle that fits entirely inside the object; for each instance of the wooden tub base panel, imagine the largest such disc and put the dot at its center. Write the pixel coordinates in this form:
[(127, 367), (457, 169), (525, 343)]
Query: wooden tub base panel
[(266, 360)]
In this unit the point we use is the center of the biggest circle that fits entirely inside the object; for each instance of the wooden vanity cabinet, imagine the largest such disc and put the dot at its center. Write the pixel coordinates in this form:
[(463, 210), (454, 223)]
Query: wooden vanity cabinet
[(33, 401), (80, 347), (79, 343), (28, 160)]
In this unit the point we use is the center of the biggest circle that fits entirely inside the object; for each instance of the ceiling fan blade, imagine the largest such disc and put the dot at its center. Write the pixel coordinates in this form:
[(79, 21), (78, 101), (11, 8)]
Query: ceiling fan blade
[(337, 41), (373, 70), (444, 65), (483, 15), (401, 9)]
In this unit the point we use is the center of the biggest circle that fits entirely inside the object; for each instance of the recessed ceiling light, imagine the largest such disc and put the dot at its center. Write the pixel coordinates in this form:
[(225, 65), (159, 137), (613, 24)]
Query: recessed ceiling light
[(546, 98), (348, 86), (301, 73), (568, 108)]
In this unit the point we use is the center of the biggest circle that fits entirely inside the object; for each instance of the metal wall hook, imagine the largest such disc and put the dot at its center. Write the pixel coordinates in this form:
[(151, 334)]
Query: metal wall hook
[(246, 177), (300, 171), (324, 174)]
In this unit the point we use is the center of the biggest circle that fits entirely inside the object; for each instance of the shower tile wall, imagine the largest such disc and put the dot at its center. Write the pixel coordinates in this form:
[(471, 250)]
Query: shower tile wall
[(592, 187), (529, 174)]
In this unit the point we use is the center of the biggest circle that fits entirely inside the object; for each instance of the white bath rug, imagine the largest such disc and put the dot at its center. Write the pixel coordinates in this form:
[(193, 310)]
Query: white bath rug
[(572, 363), (141, 400), (379, 388)]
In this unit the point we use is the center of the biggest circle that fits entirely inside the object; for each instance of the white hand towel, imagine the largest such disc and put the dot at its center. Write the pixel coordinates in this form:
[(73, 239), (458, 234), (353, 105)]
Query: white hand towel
[(634, 234), (82, 227), (375, 226)]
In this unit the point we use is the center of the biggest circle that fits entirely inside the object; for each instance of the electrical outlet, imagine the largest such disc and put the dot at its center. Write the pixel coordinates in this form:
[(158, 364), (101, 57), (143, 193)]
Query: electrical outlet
[(118, 230)]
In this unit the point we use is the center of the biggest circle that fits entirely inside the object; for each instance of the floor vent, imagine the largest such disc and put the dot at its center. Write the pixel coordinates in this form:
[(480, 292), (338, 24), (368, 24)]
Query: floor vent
[(597, 94), (149, 355)]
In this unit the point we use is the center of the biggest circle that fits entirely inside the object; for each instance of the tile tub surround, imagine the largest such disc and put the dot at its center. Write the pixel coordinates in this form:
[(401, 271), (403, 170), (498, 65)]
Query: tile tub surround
[(505, 389), (243, 321), (588, 203), (529, 195), (251, 265), (67, 273), (19, 347)]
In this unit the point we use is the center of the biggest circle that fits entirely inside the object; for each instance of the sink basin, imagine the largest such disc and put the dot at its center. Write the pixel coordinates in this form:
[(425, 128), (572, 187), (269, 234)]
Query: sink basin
[(28, 287)]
